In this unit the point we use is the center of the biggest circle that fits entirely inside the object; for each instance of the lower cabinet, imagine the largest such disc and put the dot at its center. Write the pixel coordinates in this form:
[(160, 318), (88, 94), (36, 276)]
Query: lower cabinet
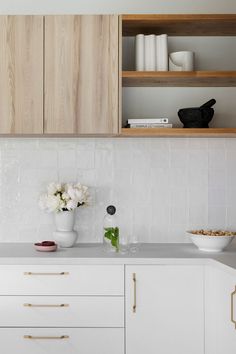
[(165, 309), (62, 340), (180, 309), (220, 311), (59, 309)]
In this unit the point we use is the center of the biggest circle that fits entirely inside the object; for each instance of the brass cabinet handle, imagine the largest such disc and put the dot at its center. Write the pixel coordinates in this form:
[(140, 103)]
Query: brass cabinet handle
[(135, 292), (232, 307), (31, 273), (45, 305), (38, 337)]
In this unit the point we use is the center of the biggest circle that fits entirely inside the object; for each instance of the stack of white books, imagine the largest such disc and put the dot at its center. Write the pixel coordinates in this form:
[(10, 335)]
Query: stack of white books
[(149, 123), (151, 52)]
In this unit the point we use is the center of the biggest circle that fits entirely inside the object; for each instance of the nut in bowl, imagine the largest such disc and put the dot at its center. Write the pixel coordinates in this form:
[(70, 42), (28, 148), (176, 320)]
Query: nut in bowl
[(211, 240)]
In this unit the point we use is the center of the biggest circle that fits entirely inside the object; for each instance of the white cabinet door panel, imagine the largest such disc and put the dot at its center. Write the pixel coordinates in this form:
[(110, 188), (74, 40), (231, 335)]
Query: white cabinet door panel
[(169, 315), (220, 330)]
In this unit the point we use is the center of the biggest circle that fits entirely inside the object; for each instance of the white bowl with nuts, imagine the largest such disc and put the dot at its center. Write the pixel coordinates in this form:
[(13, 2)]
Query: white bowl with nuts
[(211, 240)]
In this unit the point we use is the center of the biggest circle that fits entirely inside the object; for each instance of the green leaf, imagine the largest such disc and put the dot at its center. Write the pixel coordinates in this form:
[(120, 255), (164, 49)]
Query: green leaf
[(108, 235), (112, 234)]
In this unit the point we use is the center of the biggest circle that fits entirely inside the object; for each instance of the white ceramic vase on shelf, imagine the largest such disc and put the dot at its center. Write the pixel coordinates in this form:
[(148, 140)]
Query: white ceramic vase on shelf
[(181, 61), (65, 235)]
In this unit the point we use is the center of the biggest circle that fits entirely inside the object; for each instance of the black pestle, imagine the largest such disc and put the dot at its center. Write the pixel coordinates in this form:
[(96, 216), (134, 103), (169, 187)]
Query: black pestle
[(209, 103)]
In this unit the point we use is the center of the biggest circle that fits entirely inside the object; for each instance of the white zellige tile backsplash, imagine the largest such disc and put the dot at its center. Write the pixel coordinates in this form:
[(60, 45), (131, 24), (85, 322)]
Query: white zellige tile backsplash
[(161, 187)]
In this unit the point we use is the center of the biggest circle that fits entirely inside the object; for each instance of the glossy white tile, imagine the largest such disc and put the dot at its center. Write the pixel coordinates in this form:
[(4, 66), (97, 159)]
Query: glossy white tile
[(161, 187)]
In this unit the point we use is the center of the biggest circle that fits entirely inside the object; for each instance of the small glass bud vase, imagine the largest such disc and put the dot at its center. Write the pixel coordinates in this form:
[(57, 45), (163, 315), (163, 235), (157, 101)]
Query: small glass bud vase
[(111, 231)]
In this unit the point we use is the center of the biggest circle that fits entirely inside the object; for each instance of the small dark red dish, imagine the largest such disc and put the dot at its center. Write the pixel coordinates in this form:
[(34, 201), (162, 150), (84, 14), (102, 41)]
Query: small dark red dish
[(46, 246)]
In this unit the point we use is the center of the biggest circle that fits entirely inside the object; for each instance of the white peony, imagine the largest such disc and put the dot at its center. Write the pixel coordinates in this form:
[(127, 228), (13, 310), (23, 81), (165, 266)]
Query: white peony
[(71, 192), (82, 196), (67, 186), (53, 203), (62, 204), (65, 196), (72, 204)]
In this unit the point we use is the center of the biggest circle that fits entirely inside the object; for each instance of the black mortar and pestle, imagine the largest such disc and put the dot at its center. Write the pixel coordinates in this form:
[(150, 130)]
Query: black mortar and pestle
[(197, 117)]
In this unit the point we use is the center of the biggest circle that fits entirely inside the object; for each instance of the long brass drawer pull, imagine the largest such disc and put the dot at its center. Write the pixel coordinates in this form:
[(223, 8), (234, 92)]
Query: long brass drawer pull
[(232, 307), (46, 305), (31, 273), (38, 337), (135, 292)]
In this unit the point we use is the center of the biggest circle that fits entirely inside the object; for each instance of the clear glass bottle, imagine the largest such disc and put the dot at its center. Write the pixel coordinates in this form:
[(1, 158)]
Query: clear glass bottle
[(111, 230)]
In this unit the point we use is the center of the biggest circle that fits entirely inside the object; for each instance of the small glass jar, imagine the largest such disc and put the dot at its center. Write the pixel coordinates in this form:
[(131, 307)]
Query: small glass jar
[(123, 243), (134, 244), (111, 230)]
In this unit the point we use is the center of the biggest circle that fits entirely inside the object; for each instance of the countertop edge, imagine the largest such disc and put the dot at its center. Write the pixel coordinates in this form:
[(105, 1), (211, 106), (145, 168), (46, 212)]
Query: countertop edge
[(93, 254)]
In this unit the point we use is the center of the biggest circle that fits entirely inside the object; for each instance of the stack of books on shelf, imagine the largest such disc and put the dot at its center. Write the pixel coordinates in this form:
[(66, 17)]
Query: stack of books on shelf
[(151, 52), (149, 123)]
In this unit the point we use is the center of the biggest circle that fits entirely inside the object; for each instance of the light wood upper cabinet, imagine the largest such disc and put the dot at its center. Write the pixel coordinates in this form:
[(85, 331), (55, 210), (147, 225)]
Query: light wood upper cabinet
[(81, 74), (21, 75)]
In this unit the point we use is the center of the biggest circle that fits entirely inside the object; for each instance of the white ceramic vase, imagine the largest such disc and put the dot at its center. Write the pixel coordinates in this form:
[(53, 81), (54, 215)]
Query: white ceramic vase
[(181, 61), (65, 235)]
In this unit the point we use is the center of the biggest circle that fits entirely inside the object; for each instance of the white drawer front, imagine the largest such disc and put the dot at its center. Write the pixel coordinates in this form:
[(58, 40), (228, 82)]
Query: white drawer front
[(61, 311), (62, 280), (76, 341)]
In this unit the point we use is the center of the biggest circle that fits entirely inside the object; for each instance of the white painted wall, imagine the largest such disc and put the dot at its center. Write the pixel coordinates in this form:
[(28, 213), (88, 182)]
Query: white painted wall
[(161, 187)]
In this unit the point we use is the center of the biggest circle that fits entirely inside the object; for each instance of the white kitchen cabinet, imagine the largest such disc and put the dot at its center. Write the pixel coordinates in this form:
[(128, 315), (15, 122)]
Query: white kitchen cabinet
[(220, 311), (80, 309), (164, 309), (61, 341), (62, 309)]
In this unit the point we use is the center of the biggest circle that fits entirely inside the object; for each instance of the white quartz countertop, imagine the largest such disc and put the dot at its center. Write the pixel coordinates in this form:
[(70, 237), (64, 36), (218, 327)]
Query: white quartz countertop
[(149, 253)]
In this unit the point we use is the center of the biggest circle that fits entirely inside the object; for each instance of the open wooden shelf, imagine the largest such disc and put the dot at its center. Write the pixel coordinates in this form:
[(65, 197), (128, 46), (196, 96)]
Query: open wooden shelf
[(178, 78), (180, 25), (179, 132)]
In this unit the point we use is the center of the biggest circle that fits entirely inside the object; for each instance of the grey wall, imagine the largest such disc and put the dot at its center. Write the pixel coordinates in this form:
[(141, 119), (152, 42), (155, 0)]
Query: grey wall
[(116, 6)]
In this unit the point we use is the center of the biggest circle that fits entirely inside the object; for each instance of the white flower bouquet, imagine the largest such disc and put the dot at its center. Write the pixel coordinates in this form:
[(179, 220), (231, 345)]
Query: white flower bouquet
[(63, 197)]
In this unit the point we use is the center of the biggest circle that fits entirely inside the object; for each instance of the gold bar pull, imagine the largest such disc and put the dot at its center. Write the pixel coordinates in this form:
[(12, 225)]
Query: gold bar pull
[(232, 307), (31, 273), (45, 305), (38, 337), (135, 292)]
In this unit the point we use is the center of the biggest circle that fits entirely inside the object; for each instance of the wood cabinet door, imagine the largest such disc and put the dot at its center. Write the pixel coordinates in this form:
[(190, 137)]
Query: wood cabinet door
[(21, 75), (220, 311), (81, 74), (169, 313)]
